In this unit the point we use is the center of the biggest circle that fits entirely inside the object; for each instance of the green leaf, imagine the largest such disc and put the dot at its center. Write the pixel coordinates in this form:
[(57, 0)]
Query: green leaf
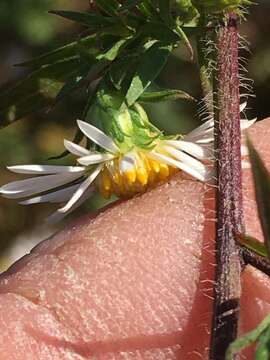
[(148, 9), (164, 95), (248, 339), (165, 10), (262, 190), (69, 51), (72, 84), (149, 67), (122, 71), (113, 52), (84, 18), (263, 346), (252, 244), (129, 4), (38, 90), (187, 43), (110, 7), (159, 31)]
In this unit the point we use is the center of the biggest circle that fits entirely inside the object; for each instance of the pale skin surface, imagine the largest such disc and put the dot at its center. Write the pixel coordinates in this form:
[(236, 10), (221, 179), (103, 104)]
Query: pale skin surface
[(135, 282)]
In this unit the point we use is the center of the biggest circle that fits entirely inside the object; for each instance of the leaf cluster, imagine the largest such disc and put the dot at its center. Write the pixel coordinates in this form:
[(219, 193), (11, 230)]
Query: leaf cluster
[(125, 45)]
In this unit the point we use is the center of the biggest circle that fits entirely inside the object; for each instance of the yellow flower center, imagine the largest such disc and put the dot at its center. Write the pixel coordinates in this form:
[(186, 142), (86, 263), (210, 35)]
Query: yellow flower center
[(136, 179)]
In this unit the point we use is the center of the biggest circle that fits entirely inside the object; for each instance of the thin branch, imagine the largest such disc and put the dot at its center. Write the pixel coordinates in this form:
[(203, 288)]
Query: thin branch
[(204, 40), (259, 262)]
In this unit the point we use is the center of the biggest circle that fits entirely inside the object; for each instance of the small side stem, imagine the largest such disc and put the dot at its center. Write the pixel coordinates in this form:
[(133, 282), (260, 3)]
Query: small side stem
[(229, 192), (204, 60), (259, 262)]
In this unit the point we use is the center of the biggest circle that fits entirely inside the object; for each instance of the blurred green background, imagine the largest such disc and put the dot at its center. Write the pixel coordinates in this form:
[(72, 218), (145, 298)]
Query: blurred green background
[(26, 30)]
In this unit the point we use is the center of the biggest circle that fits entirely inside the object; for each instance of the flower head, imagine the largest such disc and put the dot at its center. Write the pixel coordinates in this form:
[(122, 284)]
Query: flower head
[(136, 158)]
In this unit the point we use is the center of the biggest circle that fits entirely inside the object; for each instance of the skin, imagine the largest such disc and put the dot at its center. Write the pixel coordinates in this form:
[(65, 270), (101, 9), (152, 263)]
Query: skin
[(133, 282)]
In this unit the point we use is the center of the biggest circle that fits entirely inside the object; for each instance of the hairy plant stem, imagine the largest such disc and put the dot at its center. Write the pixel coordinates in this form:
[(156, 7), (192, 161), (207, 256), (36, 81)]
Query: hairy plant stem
[(229, 190)]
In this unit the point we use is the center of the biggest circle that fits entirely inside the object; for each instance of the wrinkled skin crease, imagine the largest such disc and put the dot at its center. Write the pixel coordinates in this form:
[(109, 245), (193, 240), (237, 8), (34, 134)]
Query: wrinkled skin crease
[(133, 282)]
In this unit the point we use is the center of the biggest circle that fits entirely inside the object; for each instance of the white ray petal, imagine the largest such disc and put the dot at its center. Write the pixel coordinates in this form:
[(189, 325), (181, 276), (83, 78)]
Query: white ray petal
[(28, 187), (243, 106), (98, 136), (200, 152), (58, 216), (206, 140), (246, 164), (244, 150), (206, 134), (185, 158), (200, 175), (200, 130), (75, 148), (245, 124), (44, 169), (95, 158), (53, 197), (128, 162), (79, 192)]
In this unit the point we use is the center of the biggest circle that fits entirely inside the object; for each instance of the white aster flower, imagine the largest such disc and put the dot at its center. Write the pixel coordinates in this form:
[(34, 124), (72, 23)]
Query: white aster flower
[(117, 168)]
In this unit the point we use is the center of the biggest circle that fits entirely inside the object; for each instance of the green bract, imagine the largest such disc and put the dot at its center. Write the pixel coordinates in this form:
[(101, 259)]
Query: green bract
[(128, 126)]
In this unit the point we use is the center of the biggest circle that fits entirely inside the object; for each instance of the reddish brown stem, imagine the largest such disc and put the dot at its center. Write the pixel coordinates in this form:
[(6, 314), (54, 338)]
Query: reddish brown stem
[(229, 191), (259, 262)]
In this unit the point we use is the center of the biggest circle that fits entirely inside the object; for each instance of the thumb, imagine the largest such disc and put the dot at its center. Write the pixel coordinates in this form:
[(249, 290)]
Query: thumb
[(135, 282)]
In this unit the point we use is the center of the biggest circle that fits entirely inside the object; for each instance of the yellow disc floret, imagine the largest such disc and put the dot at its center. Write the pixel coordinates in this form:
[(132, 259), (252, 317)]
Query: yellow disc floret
[(131, 174)]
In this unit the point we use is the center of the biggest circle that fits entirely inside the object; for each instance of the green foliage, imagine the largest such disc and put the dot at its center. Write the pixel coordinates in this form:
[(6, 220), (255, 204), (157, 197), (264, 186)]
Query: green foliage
[(128, 46), (164, 95), (253, 244), (38, 90), (93, 21), (261, 335), (149, 66), (186, 9), (70, 51)]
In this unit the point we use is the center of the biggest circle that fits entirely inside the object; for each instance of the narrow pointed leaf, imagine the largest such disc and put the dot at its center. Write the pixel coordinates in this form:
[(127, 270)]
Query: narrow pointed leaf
[(129, 4), (164, 95), (165, 10), (38, 90), (87, 19), (110, 7), (262, 189), (71, 85), (160, 31), (119, 72), (253, 244), (147, 9), (247, 339), (183, 35), (263, 346), (149, 67), (113, 52), (66, 52)]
